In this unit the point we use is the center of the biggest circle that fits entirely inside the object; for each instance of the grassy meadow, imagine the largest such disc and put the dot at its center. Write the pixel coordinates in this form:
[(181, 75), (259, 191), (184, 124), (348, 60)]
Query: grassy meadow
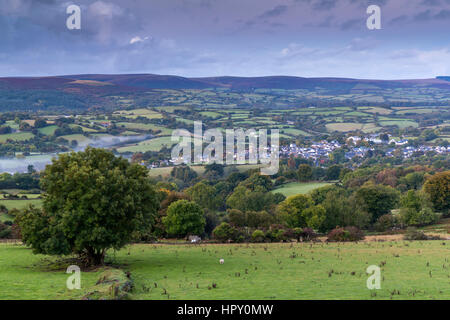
[(21, 204), (409, 270), (293, 188)]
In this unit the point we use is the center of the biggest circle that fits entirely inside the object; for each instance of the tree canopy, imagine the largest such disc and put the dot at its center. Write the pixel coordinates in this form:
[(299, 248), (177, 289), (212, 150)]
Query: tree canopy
[(184, 218), (93, 201)]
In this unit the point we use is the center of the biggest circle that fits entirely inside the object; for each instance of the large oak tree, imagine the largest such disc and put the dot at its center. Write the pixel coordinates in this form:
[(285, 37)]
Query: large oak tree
[(93, 201)]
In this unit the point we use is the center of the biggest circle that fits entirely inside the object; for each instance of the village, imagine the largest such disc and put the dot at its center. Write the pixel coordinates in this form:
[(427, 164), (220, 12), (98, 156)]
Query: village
[(355, 147)]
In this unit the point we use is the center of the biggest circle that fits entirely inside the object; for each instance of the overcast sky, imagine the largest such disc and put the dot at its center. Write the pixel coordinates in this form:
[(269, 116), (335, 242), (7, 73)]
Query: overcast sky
[(308, 38)]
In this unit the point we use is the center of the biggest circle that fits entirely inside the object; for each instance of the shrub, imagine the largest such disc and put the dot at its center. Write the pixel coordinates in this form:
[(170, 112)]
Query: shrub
[(297, 233), (413, 217), (14, 212), (224, 232), (345, 234), (276, 233), (414, 234), (258, 236), (308, 234), (385, 222), (279, 181), (5, 231)]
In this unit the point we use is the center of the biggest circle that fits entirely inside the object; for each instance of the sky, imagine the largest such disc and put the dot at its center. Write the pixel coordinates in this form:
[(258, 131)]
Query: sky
[(198, 38)]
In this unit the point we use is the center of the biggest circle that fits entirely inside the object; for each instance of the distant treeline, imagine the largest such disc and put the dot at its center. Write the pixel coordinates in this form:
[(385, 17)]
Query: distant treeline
[(25, 181), (26, 100)]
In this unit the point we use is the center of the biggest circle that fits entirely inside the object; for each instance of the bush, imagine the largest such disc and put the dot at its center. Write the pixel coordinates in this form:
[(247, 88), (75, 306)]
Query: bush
[(308, 234), (414, 234), (297, 233), (385, 222), (345, 234), (413, 217), (279, 181), (276, 233), (224, 232), (212, 220), (5, 231), (258, 236)]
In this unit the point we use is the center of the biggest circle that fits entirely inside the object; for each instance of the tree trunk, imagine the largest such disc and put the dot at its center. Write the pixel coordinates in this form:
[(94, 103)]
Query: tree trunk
[(95, 257)]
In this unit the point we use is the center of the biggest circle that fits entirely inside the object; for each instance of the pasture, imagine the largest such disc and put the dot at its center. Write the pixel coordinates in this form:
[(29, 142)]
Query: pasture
[(200, 169), (343, 127), (293, 188), (18, 136), (155, 144), (20, 204), (409, 270)]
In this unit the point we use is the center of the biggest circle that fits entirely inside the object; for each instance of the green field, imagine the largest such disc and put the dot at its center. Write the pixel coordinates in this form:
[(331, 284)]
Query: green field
[(6, 217), (77, 137), (145, 127), (149, 145), (416, 270), (18, 136), (344, 127), (20, 204), (133, 114), (48, 131), (27, 276), (294, 132), (165, 171), (293, 188), (400, 123)]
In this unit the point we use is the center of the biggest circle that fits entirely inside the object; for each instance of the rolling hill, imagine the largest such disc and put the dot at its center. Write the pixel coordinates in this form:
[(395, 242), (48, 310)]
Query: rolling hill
[(84, 91)]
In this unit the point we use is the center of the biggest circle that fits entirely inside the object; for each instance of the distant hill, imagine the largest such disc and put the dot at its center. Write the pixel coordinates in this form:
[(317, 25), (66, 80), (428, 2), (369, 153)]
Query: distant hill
[(153, 81), (97, 90), (90, 82), (445, 78)]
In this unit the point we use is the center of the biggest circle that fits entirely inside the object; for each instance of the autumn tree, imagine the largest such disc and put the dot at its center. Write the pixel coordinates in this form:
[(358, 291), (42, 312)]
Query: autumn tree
[(438, 189), (304, 172), (204, 195)]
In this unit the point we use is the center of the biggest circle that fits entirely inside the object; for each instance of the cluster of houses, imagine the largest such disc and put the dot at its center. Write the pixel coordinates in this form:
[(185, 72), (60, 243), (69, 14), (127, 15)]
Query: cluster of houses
[(375, 139), (410, 151), (320, 151), (317, 150)]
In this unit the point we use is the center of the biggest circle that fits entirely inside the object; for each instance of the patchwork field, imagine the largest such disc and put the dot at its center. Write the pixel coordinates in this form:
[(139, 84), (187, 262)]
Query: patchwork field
[(293, 188), (344, 127), (20, 204), (19, 136), (148, 145), (409, 270)]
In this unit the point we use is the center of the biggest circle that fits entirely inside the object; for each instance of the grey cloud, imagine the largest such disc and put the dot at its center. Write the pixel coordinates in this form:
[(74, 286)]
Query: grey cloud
[(352, 24), (366, 3), (423, 16), (398, 20), (431, 3), (274, 12), (324, 4), (427, 15), (327, 22), (443, 15)]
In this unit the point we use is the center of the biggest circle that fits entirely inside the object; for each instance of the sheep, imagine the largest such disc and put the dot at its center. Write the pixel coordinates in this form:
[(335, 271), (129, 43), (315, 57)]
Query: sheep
[(222, 261)]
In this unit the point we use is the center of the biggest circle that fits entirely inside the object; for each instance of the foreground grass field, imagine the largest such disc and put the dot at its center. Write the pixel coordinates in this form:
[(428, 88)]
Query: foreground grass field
[(409, 270)]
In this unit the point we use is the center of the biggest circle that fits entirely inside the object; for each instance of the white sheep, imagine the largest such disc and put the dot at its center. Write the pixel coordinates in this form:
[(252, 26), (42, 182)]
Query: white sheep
[(222, 261)]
